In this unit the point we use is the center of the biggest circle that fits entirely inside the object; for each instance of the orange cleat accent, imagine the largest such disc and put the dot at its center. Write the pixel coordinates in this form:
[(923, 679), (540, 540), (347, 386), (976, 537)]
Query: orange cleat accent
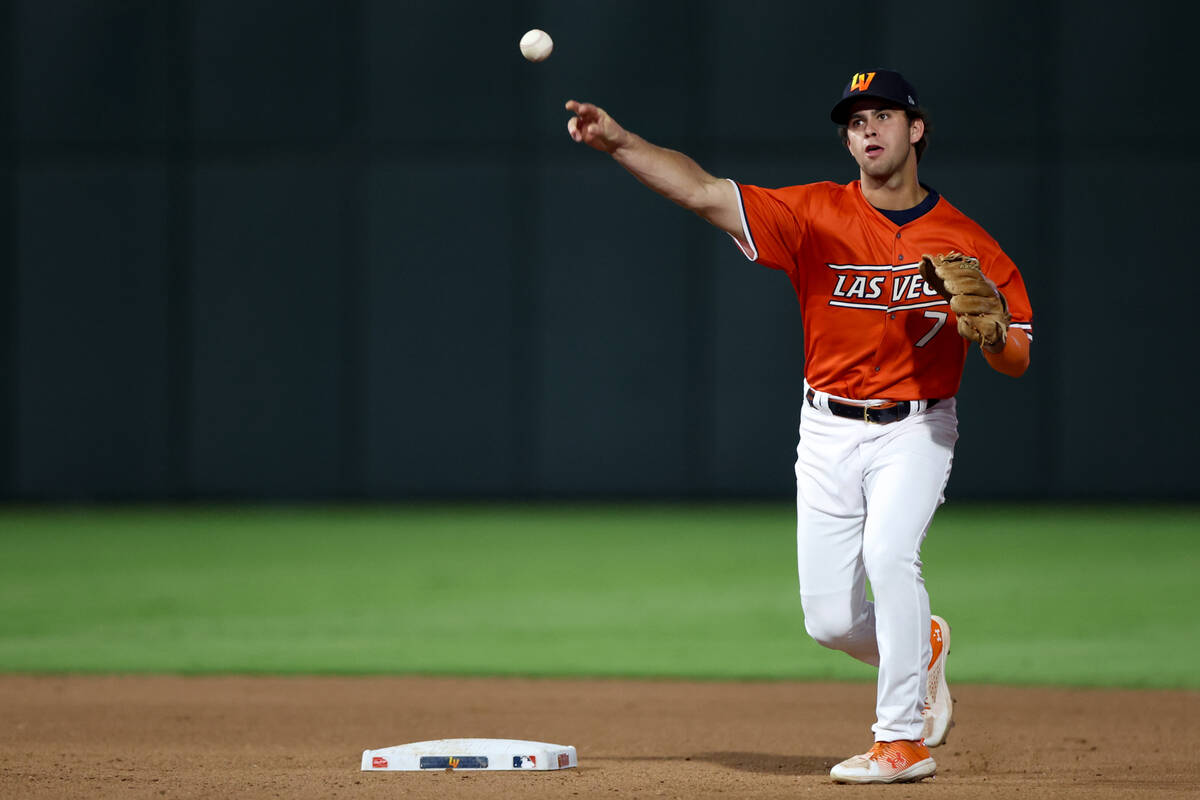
[(939, 705), (936, 637), (901, 761)]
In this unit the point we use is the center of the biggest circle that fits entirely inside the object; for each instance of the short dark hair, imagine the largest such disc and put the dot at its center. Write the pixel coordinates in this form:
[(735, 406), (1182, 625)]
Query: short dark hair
[(911, 113)]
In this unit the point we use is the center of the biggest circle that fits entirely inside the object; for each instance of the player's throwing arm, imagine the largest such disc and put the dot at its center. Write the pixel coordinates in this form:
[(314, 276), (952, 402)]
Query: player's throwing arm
[(670, 173)]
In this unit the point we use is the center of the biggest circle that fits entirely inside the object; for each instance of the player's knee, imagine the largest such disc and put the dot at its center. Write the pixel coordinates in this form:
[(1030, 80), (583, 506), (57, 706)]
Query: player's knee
[(829, 621), (832, 636)]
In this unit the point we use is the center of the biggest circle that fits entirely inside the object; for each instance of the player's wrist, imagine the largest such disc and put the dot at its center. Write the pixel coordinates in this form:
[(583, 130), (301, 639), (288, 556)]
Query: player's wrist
[(621, 142)]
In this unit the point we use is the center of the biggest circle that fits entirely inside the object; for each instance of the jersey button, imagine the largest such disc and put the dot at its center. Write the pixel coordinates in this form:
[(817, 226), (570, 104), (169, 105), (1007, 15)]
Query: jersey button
[(897, 234), (893, 316), (877, 369)]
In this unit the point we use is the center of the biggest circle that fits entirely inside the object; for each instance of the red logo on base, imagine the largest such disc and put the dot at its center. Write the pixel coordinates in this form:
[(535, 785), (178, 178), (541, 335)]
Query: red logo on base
[(379, 762), (564, 760)]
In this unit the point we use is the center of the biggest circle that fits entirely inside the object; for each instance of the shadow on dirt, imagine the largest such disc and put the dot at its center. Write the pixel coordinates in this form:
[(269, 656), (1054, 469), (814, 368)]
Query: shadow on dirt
[(771, 763), (759, 763)]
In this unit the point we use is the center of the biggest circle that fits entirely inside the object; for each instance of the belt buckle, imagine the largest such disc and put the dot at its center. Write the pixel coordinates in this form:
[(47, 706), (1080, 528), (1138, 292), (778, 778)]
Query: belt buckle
[(880, 407)]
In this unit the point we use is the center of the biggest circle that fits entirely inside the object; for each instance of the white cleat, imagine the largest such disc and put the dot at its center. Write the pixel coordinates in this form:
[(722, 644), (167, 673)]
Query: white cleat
[(939, 705), (887, 762)]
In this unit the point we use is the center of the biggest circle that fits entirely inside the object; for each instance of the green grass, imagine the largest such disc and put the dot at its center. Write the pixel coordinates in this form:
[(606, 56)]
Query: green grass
[(1036, 595)]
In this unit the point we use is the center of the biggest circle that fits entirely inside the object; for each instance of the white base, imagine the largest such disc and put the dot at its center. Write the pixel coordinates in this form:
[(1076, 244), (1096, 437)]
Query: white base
[(470, 754)]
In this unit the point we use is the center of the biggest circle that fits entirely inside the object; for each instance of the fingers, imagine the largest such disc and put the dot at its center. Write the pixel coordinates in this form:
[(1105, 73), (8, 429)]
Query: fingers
[(585, 111), (580, 130), (581, 108), (586, 125), (576, 124), (592, 126), (575, 107)]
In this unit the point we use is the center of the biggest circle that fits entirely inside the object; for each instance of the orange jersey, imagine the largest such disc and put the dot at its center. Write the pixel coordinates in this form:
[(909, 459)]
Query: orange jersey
[(872, 329)]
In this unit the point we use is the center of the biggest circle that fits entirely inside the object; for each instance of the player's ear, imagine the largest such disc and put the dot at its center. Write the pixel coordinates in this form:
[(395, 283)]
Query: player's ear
[(916, 130)]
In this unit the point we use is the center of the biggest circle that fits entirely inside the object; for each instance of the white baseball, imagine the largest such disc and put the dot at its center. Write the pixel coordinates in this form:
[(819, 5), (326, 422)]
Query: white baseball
[(536, 45)]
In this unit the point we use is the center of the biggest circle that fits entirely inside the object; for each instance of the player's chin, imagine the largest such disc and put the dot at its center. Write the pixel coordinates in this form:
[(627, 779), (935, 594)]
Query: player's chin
[(876, 168)]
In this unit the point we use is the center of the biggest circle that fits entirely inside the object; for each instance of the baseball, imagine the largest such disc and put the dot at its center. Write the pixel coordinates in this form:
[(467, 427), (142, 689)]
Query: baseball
[(536, 45)]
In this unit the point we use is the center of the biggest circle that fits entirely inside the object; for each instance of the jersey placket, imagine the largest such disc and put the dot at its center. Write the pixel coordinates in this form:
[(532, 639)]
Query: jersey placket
[(889, 314)]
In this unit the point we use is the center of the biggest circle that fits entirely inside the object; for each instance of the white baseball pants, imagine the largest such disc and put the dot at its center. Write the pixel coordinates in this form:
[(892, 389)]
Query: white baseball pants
[(865, 495)]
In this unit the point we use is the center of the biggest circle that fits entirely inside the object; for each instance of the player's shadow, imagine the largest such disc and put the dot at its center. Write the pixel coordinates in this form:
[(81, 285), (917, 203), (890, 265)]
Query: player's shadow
[(771, 763), (759, 763)]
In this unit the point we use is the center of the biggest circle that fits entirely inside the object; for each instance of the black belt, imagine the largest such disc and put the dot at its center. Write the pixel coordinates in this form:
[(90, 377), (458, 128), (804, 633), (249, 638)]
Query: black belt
[(880, 415)]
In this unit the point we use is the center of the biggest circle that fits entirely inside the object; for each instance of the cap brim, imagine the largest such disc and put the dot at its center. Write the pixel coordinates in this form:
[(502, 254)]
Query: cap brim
[(841, 112)]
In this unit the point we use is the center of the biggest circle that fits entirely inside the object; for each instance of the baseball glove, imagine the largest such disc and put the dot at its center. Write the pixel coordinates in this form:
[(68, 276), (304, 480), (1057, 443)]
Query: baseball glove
[(982, 311)]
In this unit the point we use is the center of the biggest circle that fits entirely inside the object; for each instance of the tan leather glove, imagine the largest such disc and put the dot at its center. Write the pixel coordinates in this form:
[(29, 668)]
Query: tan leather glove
[(981, 309)]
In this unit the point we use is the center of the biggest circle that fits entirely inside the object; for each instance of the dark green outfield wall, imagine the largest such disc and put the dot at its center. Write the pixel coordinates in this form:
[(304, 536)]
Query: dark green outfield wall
[(345, 249)]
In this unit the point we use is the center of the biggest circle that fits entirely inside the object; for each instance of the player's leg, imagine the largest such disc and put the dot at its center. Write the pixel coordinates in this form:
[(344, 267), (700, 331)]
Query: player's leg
[(829, 519), (908, 467)]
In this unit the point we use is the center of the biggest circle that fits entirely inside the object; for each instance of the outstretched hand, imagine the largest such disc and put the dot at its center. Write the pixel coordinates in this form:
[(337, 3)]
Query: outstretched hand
[(592, 126)]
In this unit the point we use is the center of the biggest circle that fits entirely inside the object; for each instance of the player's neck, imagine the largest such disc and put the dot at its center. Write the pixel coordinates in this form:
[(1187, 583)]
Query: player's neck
[(899, 191)]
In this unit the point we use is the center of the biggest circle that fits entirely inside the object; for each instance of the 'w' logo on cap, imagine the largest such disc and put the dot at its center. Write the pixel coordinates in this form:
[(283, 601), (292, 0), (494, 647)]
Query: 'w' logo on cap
[(861, 81)]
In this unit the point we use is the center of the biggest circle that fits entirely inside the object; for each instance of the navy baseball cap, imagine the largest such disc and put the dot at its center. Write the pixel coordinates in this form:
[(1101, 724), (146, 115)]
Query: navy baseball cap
[(882, 84)]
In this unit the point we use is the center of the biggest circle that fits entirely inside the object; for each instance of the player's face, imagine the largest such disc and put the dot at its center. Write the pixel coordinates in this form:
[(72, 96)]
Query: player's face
[(881, 139)]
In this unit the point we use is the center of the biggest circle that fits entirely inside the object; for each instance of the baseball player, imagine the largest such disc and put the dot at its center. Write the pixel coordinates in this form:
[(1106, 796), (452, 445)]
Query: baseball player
[(895, 285)]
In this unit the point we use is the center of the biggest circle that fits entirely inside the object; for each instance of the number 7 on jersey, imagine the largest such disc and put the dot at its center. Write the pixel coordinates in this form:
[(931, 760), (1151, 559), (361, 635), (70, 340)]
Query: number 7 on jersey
[(940, 316)]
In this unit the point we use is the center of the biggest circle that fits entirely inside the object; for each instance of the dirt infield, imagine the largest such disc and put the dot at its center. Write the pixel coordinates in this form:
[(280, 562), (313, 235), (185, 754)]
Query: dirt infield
[(151, 737)]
